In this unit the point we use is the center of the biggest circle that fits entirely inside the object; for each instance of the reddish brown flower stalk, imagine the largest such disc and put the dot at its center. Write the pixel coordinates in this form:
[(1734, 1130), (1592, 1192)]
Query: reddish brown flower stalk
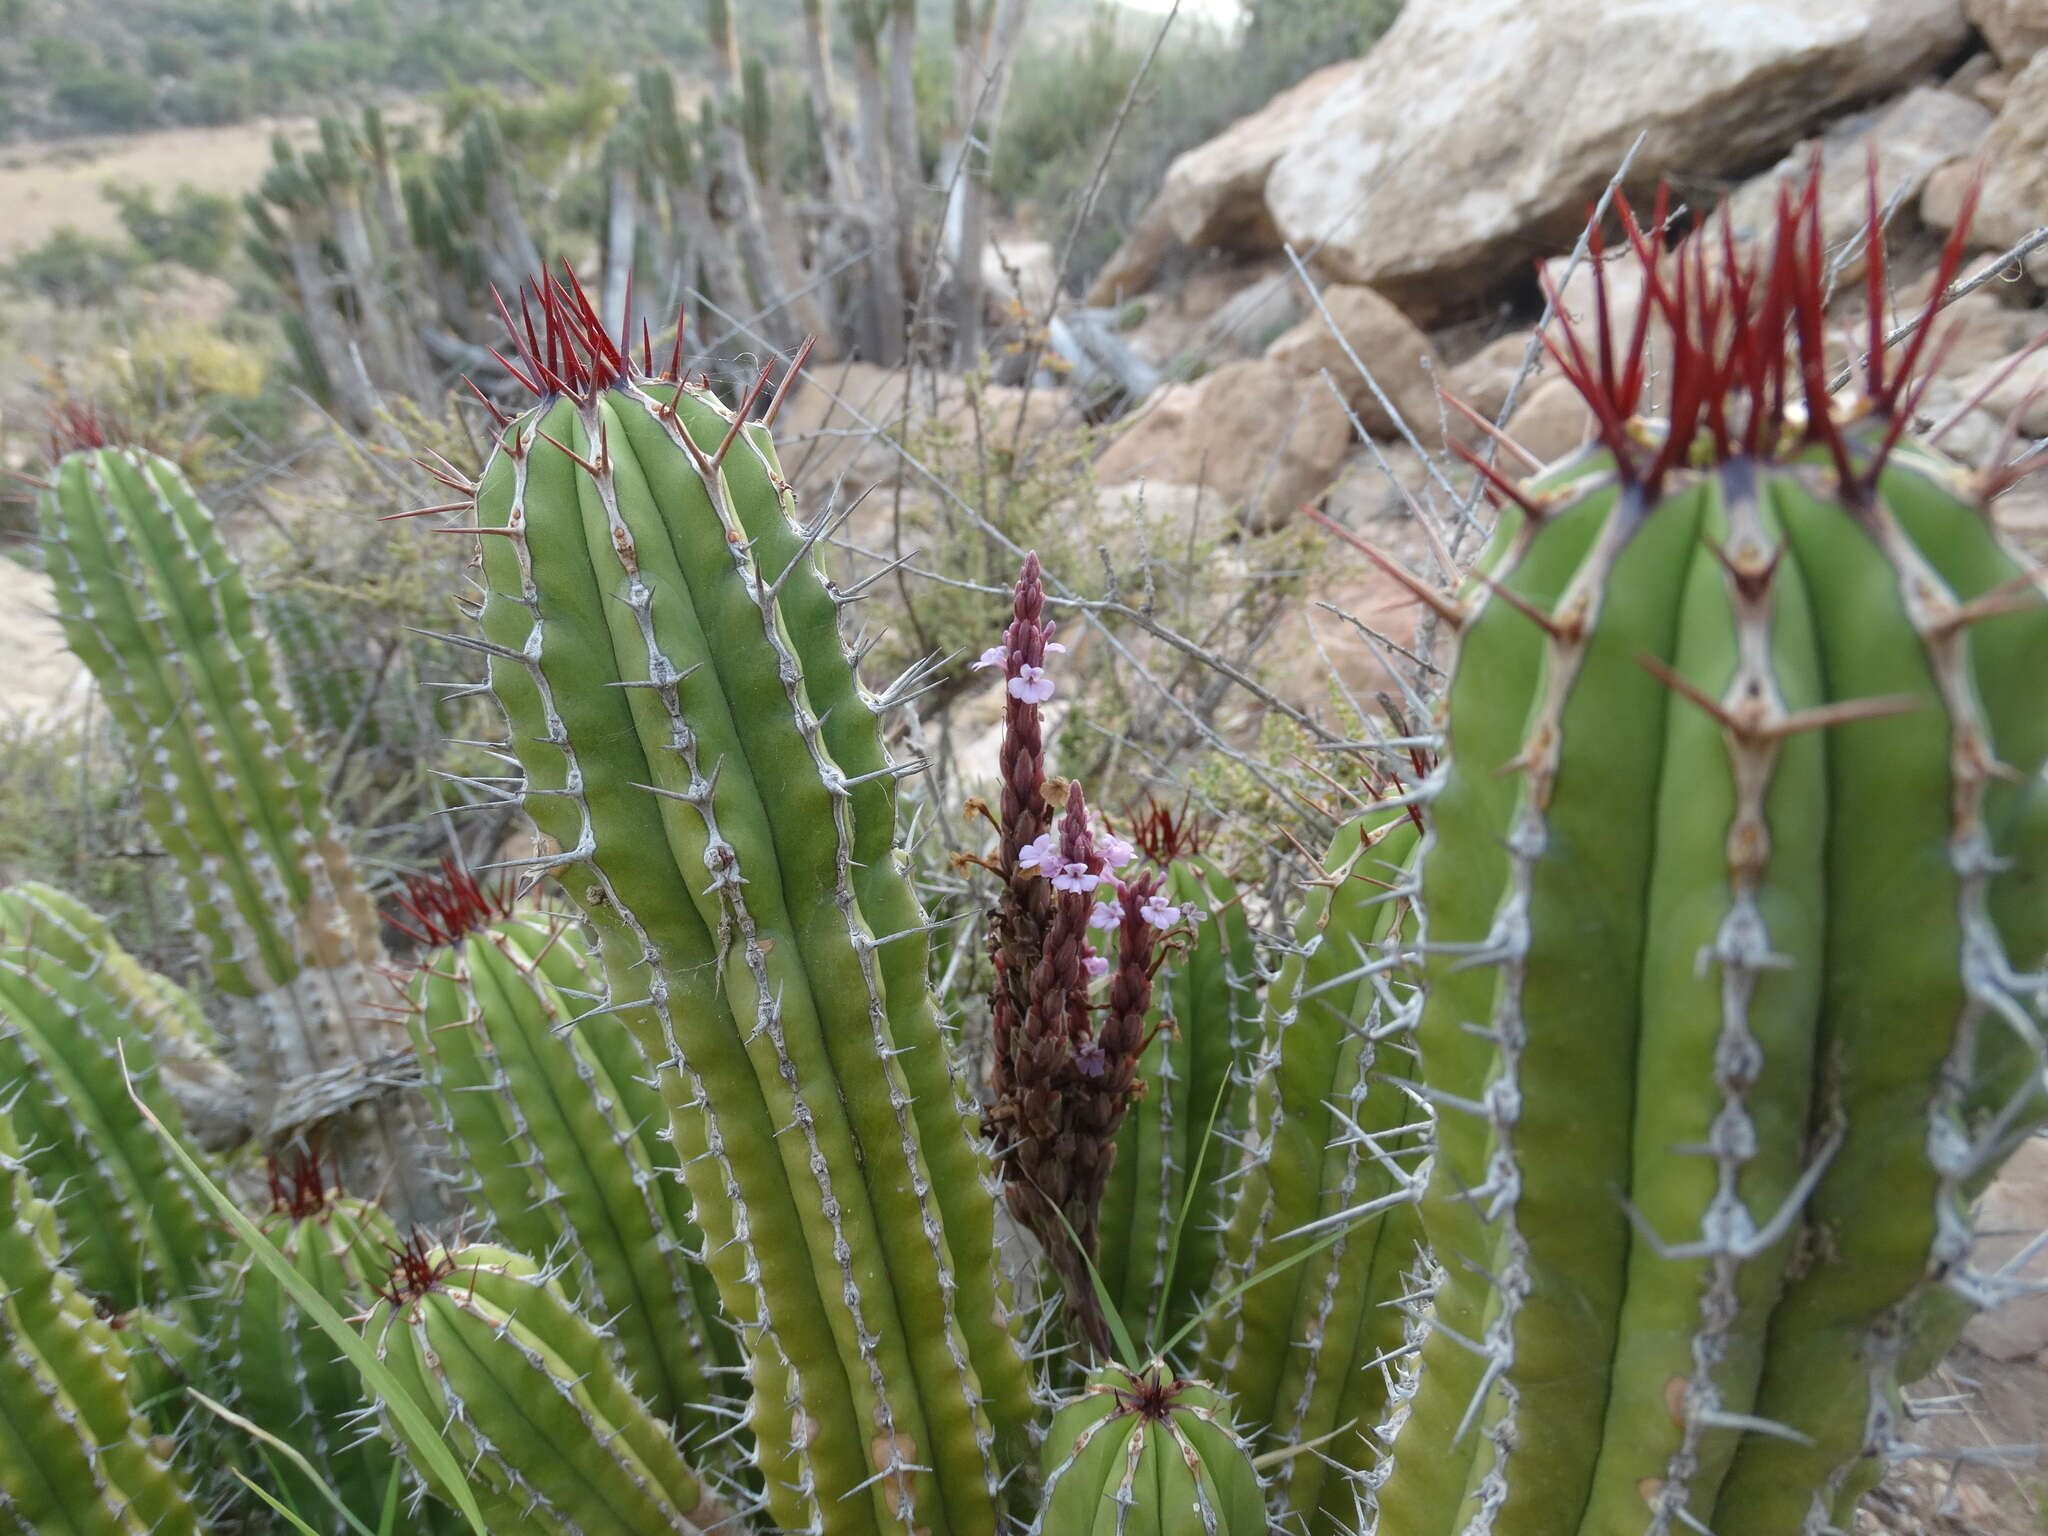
[(1017, 935)]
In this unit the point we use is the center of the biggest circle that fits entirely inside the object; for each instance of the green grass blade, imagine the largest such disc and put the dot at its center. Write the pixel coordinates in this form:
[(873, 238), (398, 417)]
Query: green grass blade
[(1187, 1199), (269, 1442), (296, 1523), (1279, 1266)]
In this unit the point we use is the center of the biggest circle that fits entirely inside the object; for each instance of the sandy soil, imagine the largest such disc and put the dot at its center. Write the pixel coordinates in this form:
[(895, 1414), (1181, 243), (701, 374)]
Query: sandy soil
[(44, 186)]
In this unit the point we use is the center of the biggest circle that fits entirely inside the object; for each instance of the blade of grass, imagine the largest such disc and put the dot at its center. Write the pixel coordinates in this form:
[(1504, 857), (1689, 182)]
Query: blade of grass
[(420, 1429), (296, 1523), (1187, 1202), (1279, 1266), (1119, 1334), (269, 1442)]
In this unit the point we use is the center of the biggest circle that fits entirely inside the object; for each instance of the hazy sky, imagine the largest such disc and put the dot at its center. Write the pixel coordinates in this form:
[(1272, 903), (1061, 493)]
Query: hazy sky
[(1207, 10)]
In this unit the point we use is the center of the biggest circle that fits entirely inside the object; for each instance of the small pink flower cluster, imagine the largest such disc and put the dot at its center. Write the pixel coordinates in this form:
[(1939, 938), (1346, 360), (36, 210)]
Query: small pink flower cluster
[(1030, 684)]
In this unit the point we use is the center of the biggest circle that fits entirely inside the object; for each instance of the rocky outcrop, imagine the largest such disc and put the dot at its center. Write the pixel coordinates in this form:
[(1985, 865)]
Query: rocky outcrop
[(2014, 200), (1474, 130), (2016, 29)]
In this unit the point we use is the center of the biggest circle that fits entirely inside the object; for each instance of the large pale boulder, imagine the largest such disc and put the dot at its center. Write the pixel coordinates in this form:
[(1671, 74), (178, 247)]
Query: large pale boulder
[(1478, 127), (1911, 137), (1215, 193), (1258, 438), (1401, 358), (2016, 29)]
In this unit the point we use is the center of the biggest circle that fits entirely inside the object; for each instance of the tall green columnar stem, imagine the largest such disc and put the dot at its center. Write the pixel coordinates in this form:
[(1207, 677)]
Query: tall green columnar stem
[(158, 608), (1317, 1353), (1731, 966), (699, 749)]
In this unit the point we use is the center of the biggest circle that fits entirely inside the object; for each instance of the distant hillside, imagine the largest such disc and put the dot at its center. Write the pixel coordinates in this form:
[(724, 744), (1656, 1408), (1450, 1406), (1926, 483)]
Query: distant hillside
[(100, 66)]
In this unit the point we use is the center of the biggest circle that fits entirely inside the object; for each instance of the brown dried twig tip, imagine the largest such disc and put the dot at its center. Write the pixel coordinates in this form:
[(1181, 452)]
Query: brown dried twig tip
[(442, 910)]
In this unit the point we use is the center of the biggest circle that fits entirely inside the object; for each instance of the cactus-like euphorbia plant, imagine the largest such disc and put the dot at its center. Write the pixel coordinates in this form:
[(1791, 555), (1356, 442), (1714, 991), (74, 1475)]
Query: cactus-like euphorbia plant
[(699, 750), (157, 607), (1144, 1453), (76, 1458), (535, 1405), (1732, 925)]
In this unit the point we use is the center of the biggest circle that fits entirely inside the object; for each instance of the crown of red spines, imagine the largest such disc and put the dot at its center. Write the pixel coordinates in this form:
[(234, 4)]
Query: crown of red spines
[(444, 909), (564, 349), (1734, 335), (300, 1187), (417, 1266)]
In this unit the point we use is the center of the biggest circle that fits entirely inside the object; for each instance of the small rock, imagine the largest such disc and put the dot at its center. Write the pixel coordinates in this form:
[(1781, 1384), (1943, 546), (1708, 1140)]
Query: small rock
[(1483, 380), (2016, 29), (2015, 195), (1924, 129), (1403, 362), (1135, 266), (1254, 435), (1552, 420)]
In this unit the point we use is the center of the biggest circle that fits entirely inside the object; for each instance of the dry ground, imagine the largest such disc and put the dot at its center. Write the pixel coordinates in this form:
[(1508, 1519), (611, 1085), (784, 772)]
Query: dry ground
[(46, 185)]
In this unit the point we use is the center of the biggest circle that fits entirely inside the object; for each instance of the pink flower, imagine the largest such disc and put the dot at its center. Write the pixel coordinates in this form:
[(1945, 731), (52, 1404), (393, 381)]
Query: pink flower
[(1077, 877), (1096, 966), (1090, 1060), (1116, 853), (1158, 911), (994, 656), (1103, 915), (1042, 853), (1031, 685), (1053, 645)]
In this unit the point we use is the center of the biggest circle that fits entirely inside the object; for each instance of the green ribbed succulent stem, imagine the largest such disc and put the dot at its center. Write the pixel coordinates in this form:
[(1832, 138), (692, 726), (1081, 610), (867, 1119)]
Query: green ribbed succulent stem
[(1315, 1354), (65, 929), (157, 607), (130, 1227), (558, 1158), (288, 1376), (334, 682), (75, 1455), (1191, 1072), (536, 1407), (1749, 1033), (719, 829), (962, 1179), (1148, 1455)]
